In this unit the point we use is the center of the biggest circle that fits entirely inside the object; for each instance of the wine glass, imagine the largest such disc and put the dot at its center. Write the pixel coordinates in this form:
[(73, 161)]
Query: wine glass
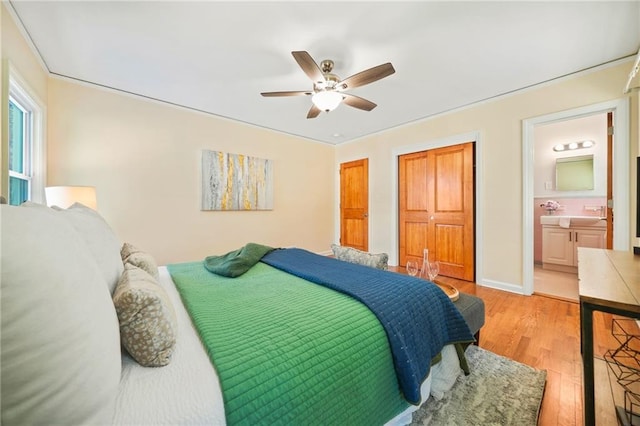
[(433, 269), (412, 268)]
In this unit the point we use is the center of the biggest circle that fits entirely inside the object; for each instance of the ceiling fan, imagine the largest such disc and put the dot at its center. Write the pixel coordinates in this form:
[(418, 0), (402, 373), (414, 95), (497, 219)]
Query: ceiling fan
[(328, 89)]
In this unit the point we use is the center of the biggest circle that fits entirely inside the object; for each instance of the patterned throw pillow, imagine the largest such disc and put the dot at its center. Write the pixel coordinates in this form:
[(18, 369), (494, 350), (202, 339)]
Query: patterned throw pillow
[(351, 255), (147, 319), (132, 255)]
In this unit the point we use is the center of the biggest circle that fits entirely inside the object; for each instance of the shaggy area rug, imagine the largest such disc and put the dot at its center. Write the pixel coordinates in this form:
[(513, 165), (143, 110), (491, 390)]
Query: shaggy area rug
[(499, 391)]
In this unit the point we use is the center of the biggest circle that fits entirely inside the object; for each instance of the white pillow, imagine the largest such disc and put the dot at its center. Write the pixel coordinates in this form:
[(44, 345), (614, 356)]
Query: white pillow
[(100, 238), (59, 338)]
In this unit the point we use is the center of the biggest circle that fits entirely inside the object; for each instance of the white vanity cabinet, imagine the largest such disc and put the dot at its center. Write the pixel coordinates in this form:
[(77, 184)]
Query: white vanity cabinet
[(560, 245)]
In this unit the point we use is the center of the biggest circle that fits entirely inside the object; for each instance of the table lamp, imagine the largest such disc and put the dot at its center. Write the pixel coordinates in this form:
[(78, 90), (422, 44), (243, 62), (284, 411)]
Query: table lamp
[(65, 196)]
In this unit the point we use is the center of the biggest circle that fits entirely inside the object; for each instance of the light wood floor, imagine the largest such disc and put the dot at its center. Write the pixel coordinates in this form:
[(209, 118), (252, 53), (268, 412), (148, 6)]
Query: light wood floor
[(544, 333), (562, 285)]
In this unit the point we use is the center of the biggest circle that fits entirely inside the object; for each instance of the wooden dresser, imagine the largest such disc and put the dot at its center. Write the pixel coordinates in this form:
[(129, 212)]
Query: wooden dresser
[(609, 281)]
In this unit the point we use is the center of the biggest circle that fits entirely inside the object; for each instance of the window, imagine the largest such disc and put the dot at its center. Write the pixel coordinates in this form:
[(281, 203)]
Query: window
[(26, 144), (19, 153)]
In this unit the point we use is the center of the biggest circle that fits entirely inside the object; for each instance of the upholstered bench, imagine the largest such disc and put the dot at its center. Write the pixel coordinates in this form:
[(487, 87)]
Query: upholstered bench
[(472, 310)]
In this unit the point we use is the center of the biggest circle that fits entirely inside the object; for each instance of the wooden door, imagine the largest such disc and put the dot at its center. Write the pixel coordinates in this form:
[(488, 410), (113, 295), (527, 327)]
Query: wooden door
[(436, 208), (413, 206), (354, 204)]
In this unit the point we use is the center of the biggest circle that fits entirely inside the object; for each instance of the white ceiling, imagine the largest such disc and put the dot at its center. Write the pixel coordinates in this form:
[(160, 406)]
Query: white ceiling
[(217, 57)]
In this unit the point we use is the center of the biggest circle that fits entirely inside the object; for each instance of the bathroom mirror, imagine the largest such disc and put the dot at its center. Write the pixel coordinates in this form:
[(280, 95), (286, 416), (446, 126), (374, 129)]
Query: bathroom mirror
[(574, 173)]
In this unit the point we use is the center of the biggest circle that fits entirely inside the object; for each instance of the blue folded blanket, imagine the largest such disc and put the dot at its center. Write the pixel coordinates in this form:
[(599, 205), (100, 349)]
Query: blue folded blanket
[(419, 320)]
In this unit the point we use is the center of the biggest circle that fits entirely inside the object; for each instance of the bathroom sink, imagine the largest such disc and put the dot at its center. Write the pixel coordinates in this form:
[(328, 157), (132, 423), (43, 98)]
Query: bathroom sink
[(573, 220)]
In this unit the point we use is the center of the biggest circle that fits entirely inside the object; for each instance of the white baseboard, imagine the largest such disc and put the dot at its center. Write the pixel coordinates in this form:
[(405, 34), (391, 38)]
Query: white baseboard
[(498, 285)]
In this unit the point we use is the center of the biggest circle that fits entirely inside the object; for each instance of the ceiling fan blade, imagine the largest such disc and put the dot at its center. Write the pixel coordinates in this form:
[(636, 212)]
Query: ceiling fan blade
[(358, 102), (308, 65), (313, 112), (290, 93), (366, 76)]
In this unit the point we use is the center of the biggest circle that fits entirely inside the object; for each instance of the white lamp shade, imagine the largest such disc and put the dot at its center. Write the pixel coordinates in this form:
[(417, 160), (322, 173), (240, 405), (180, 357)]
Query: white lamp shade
[(327, 100), (65, 196)]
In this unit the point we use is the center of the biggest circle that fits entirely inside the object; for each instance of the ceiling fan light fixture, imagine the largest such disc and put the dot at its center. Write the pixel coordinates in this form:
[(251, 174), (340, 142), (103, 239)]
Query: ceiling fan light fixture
[(327, 87), (326, 100)]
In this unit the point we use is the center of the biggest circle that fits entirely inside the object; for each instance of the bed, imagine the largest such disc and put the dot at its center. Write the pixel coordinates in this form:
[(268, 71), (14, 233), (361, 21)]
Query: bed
[(62, 360)]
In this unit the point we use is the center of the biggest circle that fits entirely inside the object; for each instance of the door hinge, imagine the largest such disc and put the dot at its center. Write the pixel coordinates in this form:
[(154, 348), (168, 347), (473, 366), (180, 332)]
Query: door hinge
[(610, 131)]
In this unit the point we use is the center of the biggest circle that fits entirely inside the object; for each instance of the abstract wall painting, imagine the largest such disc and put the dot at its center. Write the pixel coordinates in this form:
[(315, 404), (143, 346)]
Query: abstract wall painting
[(236, 182)]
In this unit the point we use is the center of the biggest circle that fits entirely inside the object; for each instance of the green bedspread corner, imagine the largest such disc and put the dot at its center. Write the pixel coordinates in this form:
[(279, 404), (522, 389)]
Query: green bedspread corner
[(236, 262)]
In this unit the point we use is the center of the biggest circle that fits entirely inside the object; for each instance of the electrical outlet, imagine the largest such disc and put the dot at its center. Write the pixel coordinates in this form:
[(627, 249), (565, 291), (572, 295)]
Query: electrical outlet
[(548, 185)]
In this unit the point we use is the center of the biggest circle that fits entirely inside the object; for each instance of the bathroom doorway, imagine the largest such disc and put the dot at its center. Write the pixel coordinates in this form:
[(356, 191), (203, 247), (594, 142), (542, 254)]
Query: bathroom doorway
[(540, 186), (577, 146)]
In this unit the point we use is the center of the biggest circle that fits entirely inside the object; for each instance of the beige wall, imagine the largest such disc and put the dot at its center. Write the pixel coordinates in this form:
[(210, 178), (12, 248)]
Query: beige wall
[(17, 54), (144, 159), (499, 125), (16, 49)]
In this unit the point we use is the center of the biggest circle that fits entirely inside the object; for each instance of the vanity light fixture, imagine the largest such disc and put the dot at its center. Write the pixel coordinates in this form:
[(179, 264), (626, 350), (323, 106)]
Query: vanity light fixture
[(574, 145)]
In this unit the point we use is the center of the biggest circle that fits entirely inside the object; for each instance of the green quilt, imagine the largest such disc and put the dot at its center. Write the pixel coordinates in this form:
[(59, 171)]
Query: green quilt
[(288, 351)]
